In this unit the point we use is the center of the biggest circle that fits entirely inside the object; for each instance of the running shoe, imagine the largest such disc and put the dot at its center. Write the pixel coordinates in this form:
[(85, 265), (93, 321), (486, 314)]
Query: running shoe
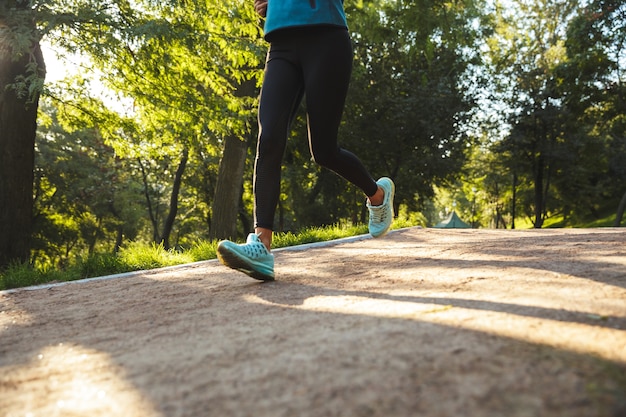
[(252, 258), (382, 216)]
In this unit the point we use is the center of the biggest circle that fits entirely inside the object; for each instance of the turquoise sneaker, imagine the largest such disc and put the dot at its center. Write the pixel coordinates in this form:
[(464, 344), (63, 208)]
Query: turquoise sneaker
[(382, 216), (251, 258)]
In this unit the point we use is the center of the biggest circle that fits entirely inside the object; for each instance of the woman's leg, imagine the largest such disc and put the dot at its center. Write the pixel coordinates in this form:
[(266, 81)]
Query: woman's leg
[(281, 94), (327, 66)]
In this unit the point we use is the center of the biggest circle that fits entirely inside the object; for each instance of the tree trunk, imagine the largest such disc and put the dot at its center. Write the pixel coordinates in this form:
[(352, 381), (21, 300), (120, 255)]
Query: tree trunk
[(227, 196), (118, 239), (228, 189), (514, 201), (152, 212), (18, 125), (620, 211), (171, 216), (539, 202)]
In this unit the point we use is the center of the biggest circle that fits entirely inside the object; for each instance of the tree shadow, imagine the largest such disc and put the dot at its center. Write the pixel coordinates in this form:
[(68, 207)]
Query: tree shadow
[(587, 255), (291, 293)]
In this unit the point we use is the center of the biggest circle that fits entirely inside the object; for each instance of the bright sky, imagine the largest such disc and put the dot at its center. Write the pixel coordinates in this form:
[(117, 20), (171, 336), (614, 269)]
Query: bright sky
[(58, 68)]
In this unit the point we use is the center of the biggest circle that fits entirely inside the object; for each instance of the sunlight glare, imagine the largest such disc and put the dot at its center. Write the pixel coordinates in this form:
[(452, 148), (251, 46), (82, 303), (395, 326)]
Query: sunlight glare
[(69, 380), (533, 329)]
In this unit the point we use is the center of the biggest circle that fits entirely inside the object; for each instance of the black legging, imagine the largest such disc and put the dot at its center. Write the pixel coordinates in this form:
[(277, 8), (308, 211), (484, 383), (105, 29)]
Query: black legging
[(316, 63)]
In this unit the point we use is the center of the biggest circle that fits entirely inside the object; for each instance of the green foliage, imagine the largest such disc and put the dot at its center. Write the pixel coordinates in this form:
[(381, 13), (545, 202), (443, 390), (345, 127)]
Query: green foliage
[(191, 71), (85, 196), (413, 90), (561, 57), (593, 84), (527, 47), (19, 41)]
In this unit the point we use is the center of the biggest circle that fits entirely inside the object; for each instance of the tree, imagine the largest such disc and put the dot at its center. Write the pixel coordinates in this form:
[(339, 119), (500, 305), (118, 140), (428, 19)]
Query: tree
[(21, 73), (527, 48), (193, 80), (410, 97), (23, 24), (593, 84), (228, 188), (413, 91), (184, 75), (86, 197)]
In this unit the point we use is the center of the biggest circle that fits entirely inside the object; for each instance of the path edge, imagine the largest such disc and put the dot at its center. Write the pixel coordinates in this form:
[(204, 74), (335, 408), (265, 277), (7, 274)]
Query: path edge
[(305, 246)]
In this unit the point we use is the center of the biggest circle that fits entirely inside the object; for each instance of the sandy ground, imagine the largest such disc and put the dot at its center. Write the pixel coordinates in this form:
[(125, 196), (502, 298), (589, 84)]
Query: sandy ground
[(423, 322)]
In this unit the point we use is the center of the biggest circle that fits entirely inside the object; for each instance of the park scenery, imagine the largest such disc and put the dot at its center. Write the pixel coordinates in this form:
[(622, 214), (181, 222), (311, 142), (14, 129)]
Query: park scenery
[(128, 138)]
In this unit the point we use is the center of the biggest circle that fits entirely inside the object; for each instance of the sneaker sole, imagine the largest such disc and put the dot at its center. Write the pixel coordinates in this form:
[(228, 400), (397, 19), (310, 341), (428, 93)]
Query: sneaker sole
[(232, 260)]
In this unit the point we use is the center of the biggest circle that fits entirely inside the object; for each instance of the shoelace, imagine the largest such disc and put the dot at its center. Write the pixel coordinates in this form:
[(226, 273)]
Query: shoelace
[(378, 213)]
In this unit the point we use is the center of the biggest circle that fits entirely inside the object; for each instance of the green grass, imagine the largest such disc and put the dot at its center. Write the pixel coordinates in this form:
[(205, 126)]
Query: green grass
[(137, 256), (603, 222), (557, 221), (312, 235)]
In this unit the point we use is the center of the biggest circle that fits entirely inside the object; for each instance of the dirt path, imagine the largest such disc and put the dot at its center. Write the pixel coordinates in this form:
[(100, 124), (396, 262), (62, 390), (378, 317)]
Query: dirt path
[(423, 322)]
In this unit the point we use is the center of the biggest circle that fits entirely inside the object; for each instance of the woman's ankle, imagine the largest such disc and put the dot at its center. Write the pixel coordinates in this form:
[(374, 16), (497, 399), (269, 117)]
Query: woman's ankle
[(378, 198), (265, 236)]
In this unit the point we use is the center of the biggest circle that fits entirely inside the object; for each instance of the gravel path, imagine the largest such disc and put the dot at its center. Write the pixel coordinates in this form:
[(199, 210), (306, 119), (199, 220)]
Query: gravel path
[(423, 322)]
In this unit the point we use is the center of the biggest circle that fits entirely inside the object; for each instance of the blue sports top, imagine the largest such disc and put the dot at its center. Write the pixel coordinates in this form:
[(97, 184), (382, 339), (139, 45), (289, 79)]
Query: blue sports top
[(283, 14)]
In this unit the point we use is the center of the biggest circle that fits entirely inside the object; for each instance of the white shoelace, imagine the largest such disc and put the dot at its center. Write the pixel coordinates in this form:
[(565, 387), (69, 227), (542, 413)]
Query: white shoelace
[(378, 213)]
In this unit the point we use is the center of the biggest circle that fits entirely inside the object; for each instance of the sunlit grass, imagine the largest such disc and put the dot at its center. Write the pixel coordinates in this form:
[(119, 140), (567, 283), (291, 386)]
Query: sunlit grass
[(139, 256), (558, 221), (315, 234), (203, 250), (23, 275)]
